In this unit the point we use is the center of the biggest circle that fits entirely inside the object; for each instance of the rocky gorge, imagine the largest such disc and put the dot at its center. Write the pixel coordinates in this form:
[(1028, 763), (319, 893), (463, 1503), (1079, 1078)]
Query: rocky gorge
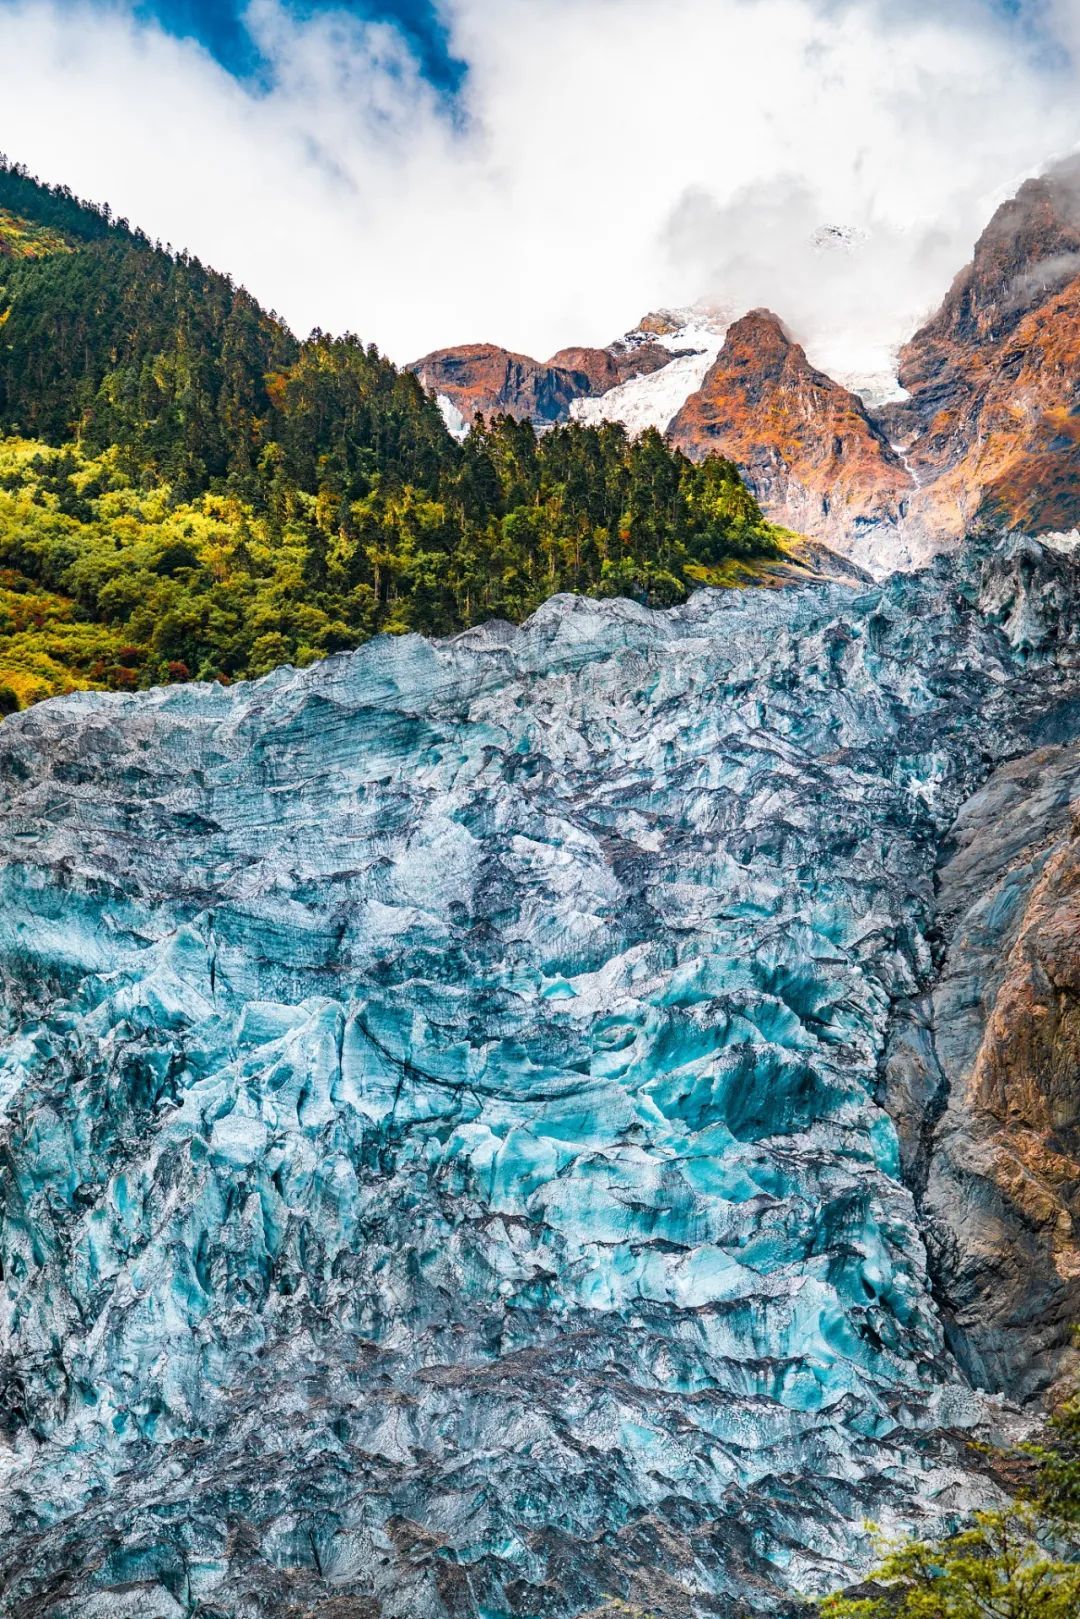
[(563, 1115)]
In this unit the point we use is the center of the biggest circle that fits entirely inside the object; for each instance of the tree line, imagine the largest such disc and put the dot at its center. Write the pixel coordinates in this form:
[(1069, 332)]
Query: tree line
[(186, 482)]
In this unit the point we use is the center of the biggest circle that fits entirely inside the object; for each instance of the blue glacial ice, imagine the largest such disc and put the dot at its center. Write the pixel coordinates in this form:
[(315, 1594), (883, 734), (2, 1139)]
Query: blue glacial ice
[(443, 1166)]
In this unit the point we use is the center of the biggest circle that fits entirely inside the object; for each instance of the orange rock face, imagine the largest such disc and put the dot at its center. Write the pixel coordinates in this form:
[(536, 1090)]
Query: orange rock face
[(1003, 1190), (1025, 1076), (1030, 248), (1009, 449), (483, 379), (990, 433), (994, 377), (606, 368), (806, 445)]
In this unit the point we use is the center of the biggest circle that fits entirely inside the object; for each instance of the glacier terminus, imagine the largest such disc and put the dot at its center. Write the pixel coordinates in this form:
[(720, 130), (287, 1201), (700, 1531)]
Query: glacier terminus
[(451, 1163)]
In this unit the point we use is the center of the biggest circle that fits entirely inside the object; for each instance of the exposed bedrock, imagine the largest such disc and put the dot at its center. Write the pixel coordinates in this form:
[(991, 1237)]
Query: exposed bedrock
[(445, 1167), (991, 1124), (982, 1075)]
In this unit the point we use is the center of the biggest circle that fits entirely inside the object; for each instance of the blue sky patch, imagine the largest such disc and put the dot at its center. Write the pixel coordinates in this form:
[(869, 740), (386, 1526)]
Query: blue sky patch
[(219, 26)]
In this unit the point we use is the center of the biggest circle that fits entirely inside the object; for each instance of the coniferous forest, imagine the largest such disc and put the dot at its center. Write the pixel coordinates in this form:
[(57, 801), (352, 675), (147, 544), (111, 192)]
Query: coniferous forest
[(188, 491)]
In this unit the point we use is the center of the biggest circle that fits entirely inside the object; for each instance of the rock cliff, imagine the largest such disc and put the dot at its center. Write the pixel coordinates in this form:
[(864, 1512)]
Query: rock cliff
[(483, 379), (610, 367), (805, 445), (1003, 1188), (992, 377)]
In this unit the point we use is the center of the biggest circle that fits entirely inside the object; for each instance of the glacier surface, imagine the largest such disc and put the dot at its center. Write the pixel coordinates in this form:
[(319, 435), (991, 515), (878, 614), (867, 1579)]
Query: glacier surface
[(444, 1169)]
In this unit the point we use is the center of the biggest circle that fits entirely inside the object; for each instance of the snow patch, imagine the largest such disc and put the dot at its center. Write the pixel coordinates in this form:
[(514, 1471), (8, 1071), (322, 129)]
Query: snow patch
[(874, 380), (456, 425), (839, 238), (653, 400), (1065, 541), (866, 369)]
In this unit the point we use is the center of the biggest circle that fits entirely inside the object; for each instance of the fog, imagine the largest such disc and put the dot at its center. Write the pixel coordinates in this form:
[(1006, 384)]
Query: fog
[(602, 158)]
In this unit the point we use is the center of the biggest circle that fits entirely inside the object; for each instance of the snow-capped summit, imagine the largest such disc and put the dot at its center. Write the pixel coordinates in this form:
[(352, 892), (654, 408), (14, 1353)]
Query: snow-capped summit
[(641, 378), (693, 337)]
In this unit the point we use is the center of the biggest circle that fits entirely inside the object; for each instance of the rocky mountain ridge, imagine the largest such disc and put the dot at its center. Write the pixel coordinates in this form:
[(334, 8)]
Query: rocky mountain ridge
[(481, 379), (805, 444), (989, 423), (986, 434)]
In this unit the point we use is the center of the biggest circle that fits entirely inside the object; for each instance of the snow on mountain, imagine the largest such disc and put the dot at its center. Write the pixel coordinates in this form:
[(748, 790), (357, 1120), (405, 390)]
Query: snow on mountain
[(839, 238), (859, 362), (694, 337), (870, 373), (456, 425)]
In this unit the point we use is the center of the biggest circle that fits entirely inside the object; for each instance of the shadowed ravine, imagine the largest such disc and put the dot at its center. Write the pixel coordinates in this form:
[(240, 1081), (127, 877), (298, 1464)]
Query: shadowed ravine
[(445, 1173)]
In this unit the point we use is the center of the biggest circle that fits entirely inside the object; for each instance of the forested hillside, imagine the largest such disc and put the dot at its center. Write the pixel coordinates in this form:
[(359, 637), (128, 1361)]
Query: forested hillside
[(187, 490)]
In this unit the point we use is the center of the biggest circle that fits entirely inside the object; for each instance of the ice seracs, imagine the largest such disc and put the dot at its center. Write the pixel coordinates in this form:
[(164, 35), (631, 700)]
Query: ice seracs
[(445, 1163)]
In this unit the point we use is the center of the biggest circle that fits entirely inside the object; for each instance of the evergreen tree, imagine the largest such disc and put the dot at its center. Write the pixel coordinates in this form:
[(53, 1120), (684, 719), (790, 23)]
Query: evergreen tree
[(186, 487)]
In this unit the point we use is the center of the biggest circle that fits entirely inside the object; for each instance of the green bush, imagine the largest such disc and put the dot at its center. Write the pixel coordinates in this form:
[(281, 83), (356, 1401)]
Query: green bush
[(1021, 1562)]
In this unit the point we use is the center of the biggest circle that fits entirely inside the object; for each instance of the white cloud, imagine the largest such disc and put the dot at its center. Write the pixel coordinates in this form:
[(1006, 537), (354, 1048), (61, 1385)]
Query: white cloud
[(609, 156)]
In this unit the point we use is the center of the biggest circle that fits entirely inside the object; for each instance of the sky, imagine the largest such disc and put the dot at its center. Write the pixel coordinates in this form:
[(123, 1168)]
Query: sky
[(538, 173)]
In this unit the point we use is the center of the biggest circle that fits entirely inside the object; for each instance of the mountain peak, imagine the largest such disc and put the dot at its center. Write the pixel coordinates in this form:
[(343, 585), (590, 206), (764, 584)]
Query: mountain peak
[(992, 376), (474, 379), (484, 379), (608, 368), (702, 316), (760, 337), (1030, 248), (806, 445)]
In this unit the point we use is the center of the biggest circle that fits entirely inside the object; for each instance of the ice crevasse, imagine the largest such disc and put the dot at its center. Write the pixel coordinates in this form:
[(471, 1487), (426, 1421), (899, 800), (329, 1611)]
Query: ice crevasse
[(443, 1166)]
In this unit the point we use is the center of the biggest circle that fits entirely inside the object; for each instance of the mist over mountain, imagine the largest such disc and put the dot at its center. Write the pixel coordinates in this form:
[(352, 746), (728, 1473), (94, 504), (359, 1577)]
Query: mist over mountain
[(696, 151), (966, 423)]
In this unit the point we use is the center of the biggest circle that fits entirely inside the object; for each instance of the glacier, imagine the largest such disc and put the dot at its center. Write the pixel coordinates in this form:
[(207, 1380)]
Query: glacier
[(445, 1163), (656, 397)]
